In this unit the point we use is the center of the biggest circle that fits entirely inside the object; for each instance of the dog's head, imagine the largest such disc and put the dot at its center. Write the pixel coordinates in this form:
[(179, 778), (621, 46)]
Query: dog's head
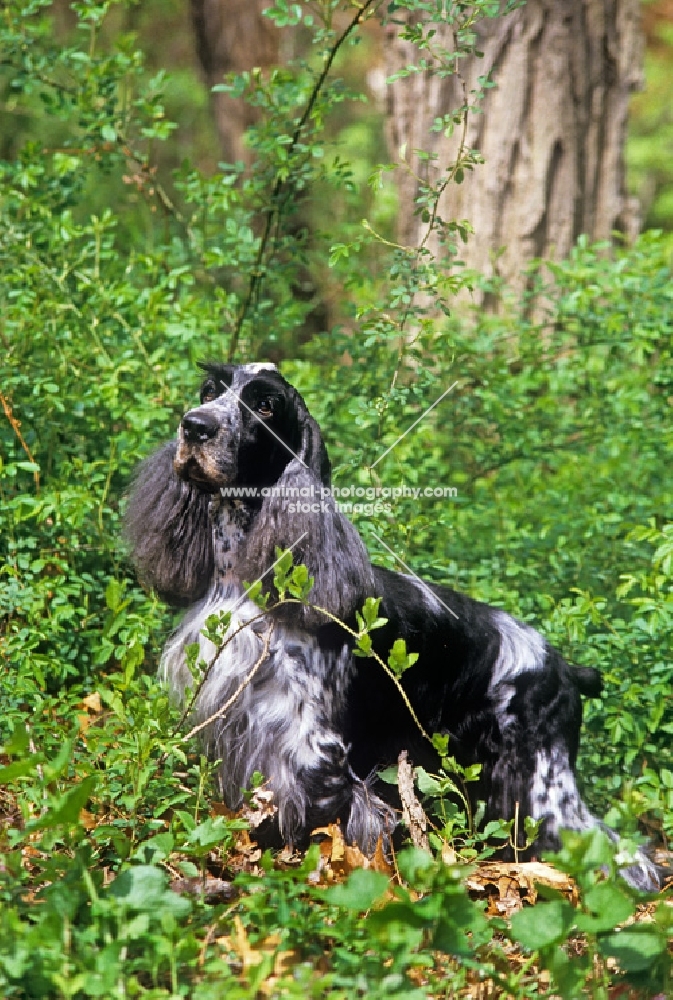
[(252, 429), (250, 426)]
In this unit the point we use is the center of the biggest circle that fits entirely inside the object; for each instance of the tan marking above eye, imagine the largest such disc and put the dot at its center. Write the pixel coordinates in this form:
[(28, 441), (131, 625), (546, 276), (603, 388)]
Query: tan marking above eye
[(209, 393)]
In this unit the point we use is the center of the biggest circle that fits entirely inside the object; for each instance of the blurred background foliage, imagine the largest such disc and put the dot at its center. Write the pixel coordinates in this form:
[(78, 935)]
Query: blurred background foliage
[(164, 33), (650, 144)]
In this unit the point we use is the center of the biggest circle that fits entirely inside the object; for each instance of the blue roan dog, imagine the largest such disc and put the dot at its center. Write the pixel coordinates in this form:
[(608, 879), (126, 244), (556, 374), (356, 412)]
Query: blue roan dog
[(316, 721)]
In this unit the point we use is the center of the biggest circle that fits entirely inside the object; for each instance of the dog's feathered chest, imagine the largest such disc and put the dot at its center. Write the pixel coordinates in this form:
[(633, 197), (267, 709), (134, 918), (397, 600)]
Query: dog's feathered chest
[(284, 693)]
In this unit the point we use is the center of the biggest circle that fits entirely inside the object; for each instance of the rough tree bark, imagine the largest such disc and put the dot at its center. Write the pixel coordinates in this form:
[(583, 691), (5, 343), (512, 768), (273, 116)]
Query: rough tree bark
[(552, 131), (233, 36)]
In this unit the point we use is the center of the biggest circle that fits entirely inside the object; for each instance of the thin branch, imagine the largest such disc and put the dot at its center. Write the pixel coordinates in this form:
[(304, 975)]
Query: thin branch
[(274, 211), (457, 163), (386, 668), (222, 711), (16, 427), (262, 614), (438, 192), (218, 652)]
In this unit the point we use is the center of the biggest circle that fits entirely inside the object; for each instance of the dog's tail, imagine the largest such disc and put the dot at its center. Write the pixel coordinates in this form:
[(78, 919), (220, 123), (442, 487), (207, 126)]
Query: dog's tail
[(588, 681)]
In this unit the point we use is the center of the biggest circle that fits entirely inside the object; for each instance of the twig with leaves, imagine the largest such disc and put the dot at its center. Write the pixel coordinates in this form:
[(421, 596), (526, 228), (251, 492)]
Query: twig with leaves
[(223, 709), (16, 427), (279, 192)]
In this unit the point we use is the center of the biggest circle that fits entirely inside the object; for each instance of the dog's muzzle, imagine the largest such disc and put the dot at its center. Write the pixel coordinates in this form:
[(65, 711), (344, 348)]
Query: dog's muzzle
[(206, 452)]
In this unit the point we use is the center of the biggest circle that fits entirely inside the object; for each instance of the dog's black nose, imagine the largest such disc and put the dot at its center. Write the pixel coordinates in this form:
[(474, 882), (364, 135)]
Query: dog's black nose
[(199, 426)]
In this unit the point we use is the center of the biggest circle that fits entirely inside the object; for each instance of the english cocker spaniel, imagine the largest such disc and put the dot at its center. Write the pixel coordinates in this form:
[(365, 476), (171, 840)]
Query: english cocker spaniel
[(248, 475)]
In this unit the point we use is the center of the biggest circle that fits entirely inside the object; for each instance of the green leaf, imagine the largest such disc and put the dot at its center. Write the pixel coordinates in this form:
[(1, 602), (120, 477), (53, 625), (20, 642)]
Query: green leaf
[(545, 924), (389, 775), (18, 742), (636, 948), (462, 925), (427, 783), (209, 833), (607, 906), (282, 570), (370, 613), (399, 660), (144, 888), (416, 866), (155, 849), (114, 593), (362, 889), (67, 808), (363, 645), (254, 592), (300, 583), (569, 972), (20, 768)]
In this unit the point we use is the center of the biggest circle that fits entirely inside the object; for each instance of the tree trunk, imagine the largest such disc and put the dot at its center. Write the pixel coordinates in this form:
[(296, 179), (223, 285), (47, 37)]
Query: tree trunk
[(552, 131), (232, 36)]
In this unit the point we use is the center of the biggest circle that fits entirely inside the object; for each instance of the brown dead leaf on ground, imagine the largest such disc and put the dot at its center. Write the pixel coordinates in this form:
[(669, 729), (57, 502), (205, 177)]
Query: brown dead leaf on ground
[(92, 703), (289, 858), (88, 820), (248, 955), (333, 845), (339, 859), (259, 807), (93, 707), (506, 886), (379, 862), (248, 849), (283, 964), (251, 955), (218, 808)]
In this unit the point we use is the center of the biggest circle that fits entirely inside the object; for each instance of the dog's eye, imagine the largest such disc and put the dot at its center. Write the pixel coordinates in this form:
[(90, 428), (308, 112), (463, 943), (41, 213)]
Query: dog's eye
[(209, 392), (265, 408)]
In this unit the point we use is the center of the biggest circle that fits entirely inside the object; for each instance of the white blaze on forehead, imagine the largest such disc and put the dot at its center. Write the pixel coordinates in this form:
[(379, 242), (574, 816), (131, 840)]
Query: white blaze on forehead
[(230, 398), (261, 366)]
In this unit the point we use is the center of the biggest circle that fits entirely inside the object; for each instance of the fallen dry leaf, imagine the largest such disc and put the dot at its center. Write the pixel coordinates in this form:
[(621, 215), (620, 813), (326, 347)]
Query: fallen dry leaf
[(338, 856), (242, 947), (92, 703), (506, 886), (88, 820), (259, 807), (333, 846), (380, 862), (285, 961)]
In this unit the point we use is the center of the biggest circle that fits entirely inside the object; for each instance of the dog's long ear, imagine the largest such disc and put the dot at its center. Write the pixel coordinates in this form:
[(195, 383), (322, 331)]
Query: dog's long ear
[(312, 450), (168, 530), (296, 515)]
